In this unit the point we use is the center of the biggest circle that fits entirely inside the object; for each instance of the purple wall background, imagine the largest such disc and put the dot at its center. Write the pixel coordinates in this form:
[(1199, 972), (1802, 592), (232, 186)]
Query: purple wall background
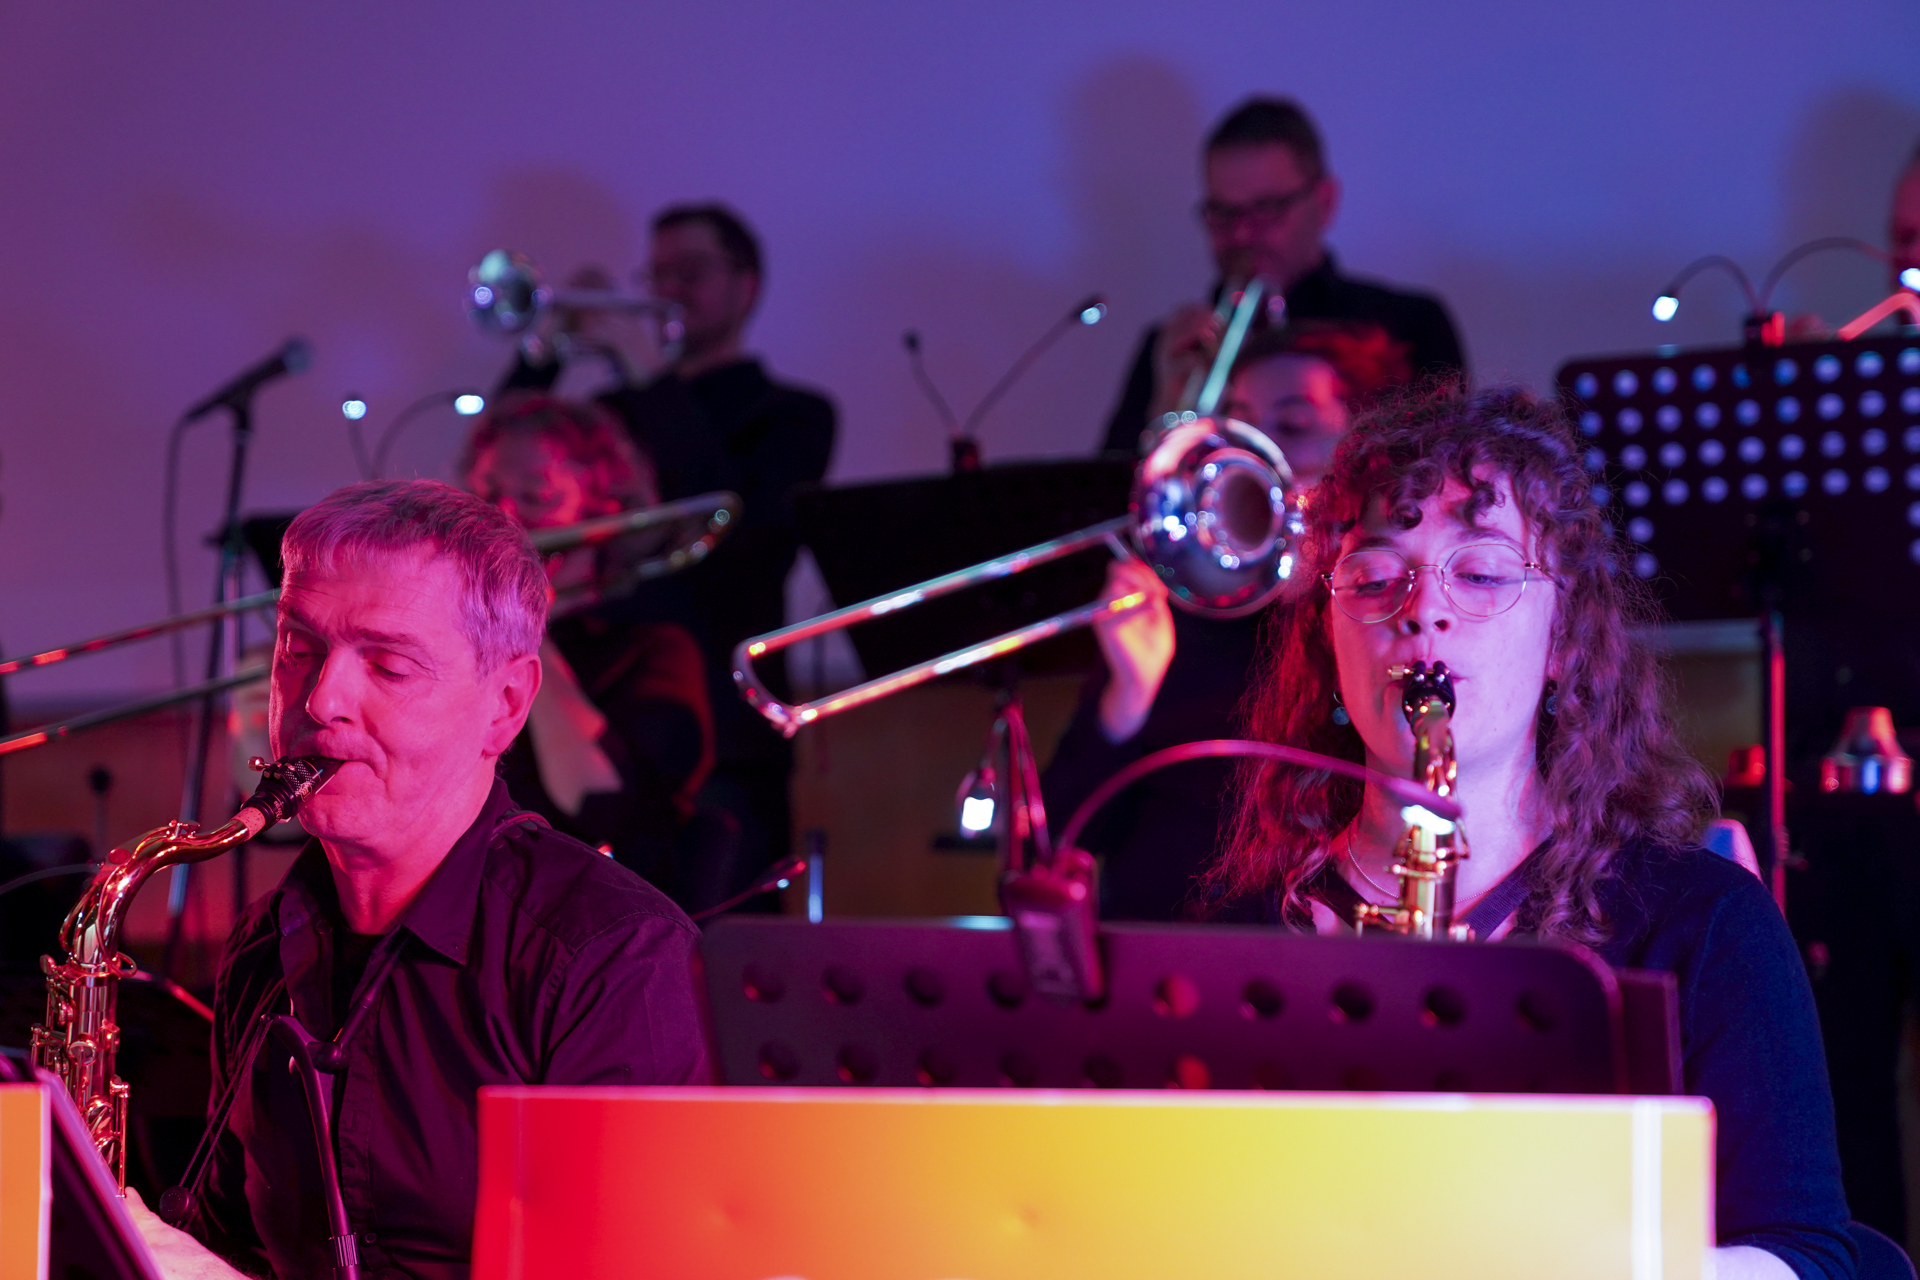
[(182, 186)]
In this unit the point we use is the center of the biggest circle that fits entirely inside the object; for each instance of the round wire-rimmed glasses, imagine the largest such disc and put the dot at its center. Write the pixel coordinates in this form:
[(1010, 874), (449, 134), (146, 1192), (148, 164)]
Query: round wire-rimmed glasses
[(1483, 580)]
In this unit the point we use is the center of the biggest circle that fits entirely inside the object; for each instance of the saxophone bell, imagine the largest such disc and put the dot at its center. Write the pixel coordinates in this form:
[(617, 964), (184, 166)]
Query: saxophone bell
[(80, 1038)]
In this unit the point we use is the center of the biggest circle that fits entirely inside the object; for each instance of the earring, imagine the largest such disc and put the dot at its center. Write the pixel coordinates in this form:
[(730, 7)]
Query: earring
[(1551, 703), (1340, 716)]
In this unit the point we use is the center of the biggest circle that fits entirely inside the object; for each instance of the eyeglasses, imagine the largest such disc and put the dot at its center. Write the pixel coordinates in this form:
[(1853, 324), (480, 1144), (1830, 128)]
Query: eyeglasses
[(1268, 211), (1482, 581)]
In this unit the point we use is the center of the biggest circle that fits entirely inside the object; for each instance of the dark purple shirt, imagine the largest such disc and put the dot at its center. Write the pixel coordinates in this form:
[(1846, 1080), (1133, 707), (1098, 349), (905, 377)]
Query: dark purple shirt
[(527, 958)]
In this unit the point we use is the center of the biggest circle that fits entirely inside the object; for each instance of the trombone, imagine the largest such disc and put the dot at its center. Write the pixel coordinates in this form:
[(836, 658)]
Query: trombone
[(700, 522), (25, 738), (1214, 513)]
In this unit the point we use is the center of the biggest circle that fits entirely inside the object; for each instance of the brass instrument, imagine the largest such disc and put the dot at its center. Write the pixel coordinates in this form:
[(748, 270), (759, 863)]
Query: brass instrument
[(1433, 847), (25, 738), (1214, 513), (507, 297), (79, 1040), (1239, 304), (697, 523)]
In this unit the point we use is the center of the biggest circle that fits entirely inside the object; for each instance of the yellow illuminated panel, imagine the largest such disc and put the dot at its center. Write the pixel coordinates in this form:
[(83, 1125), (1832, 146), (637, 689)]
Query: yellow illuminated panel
[(749, 1184)]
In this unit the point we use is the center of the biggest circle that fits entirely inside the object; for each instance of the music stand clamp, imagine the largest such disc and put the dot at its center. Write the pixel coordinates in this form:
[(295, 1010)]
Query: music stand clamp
[(1761, 482)]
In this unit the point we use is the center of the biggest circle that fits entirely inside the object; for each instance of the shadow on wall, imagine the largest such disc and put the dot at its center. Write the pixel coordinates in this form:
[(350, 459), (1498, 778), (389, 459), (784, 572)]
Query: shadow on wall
[(1131, 137), (1129, 133), (1837, 179)]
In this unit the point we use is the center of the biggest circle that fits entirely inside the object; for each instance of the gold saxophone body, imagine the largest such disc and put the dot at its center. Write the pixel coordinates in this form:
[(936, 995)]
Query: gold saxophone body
[(1432, 848), (80, 1039)]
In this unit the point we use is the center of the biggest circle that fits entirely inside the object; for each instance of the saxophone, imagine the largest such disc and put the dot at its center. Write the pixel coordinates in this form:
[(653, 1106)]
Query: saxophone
[(79, 1040), (1431, 849)]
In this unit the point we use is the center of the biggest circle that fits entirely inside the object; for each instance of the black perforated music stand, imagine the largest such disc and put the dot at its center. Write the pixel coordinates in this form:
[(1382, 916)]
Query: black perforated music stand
[(1774, 483), (904, 1003)]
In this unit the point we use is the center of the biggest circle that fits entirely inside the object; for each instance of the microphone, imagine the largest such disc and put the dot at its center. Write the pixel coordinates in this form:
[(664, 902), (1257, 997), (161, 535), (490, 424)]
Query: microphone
[(294, 355), (1090, 310)]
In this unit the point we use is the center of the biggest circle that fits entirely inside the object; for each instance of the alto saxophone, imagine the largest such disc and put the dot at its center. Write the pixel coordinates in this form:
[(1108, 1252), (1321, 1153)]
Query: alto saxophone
[(1432, 848), (80, 1039)]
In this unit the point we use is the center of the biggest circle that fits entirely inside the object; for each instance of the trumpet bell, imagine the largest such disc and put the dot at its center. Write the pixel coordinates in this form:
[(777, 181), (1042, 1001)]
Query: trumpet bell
[(505, 294), (1215, 514)]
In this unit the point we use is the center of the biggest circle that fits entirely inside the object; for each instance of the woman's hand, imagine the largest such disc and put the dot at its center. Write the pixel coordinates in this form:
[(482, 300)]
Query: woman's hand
[(179, 1255), (1138, 647)]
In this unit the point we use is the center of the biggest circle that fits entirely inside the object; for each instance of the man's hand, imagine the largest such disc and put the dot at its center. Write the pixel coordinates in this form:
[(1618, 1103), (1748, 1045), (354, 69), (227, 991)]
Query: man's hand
[(630, 339), (1138, 647), (1185, 346), (179, 1255)]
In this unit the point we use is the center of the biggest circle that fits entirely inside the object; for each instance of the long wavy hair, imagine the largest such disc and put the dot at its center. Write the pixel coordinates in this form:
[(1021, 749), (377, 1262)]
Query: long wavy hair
[(1612, 770)]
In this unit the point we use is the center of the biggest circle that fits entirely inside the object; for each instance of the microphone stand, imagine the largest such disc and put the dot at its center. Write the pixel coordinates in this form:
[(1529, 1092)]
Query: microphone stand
[(226, 587)]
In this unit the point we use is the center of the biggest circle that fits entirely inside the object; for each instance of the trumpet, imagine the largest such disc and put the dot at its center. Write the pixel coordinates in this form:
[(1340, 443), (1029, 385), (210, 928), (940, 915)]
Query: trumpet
[(629, 557), (79, 1041), (507, 297), (1433, 847)]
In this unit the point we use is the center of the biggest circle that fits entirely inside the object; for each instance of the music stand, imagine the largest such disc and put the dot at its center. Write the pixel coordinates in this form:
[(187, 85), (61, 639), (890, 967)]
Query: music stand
[(89, 1232), (885, 1003), (1762, 482)]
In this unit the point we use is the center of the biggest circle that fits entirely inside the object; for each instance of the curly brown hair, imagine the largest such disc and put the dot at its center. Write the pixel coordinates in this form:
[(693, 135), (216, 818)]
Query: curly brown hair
[(1612, 769), (618, 474)]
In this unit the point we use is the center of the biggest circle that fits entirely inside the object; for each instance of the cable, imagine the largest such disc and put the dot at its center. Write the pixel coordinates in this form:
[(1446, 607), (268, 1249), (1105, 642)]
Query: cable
[(47, 873), (1404, 790)]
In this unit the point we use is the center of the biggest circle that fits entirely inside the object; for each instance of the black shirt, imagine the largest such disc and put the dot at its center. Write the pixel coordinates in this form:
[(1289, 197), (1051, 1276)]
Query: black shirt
[(1160, 833), (527, 958), (1749, 1041), (650, 683), (1420, 320)]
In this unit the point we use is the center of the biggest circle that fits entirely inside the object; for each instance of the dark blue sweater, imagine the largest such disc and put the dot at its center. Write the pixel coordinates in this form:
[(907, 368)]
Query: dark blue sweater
[(1750, 1042)]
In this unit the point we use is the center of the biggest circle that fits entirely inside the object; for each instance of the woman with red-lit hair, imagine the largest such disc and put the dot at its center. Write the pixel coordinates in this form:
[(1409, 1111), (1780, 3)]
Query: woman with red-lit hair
[(620, 736), (1463, 529)]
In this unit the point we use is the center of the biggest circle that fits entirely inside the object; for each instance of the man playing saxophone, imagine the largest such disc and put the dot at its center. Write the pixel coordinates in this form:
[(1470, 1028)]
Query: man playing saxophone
[(462, 941)]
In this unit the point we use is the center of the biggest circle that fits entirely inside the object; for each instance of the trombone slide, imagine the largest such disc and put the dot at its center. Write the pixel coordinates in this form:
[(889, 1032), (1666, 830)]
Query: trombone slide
[(790, 718)]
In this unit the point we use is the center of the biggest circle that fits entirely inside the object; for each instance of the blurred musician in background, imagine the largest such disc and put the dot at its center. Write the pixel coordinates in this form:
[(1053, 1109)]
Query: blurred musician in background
[(619, 737), (484, 947), (1462, 529), (712, 420), (1903, 223), (1172, 677), (1269, 201)]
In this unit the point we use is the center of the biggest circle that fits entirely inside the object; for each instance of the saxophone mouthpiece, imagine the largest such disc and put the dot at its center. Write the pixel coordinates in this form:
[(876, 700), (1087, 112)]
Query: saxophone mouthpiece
[(285, 785), (1423, 684)]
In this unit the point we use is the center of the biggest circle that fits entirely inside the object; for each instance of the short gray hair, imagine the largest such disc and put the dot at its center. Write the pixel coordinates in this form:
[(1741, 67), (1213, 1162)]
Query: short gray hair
[(503, 598)]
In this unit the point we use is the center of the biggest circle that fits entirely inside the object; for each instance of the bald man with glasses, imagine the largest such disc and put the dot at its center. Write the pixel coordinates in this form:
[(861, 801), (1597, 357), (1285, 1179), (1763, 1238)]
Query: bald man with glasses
[(1269, 200)]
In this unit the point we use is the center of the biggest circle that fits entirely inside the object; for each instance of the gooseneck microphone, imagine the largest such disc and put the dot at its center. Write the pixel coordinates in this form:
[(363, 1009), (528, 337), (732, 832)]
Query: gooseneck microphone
[(294, 355), (1090, 310)]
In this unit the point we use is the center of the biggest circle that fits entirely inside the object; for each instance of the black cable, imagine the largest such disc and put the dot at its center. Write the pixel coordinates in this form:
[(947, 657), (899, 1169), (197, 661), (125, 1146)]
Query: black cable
[(47, 873)]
